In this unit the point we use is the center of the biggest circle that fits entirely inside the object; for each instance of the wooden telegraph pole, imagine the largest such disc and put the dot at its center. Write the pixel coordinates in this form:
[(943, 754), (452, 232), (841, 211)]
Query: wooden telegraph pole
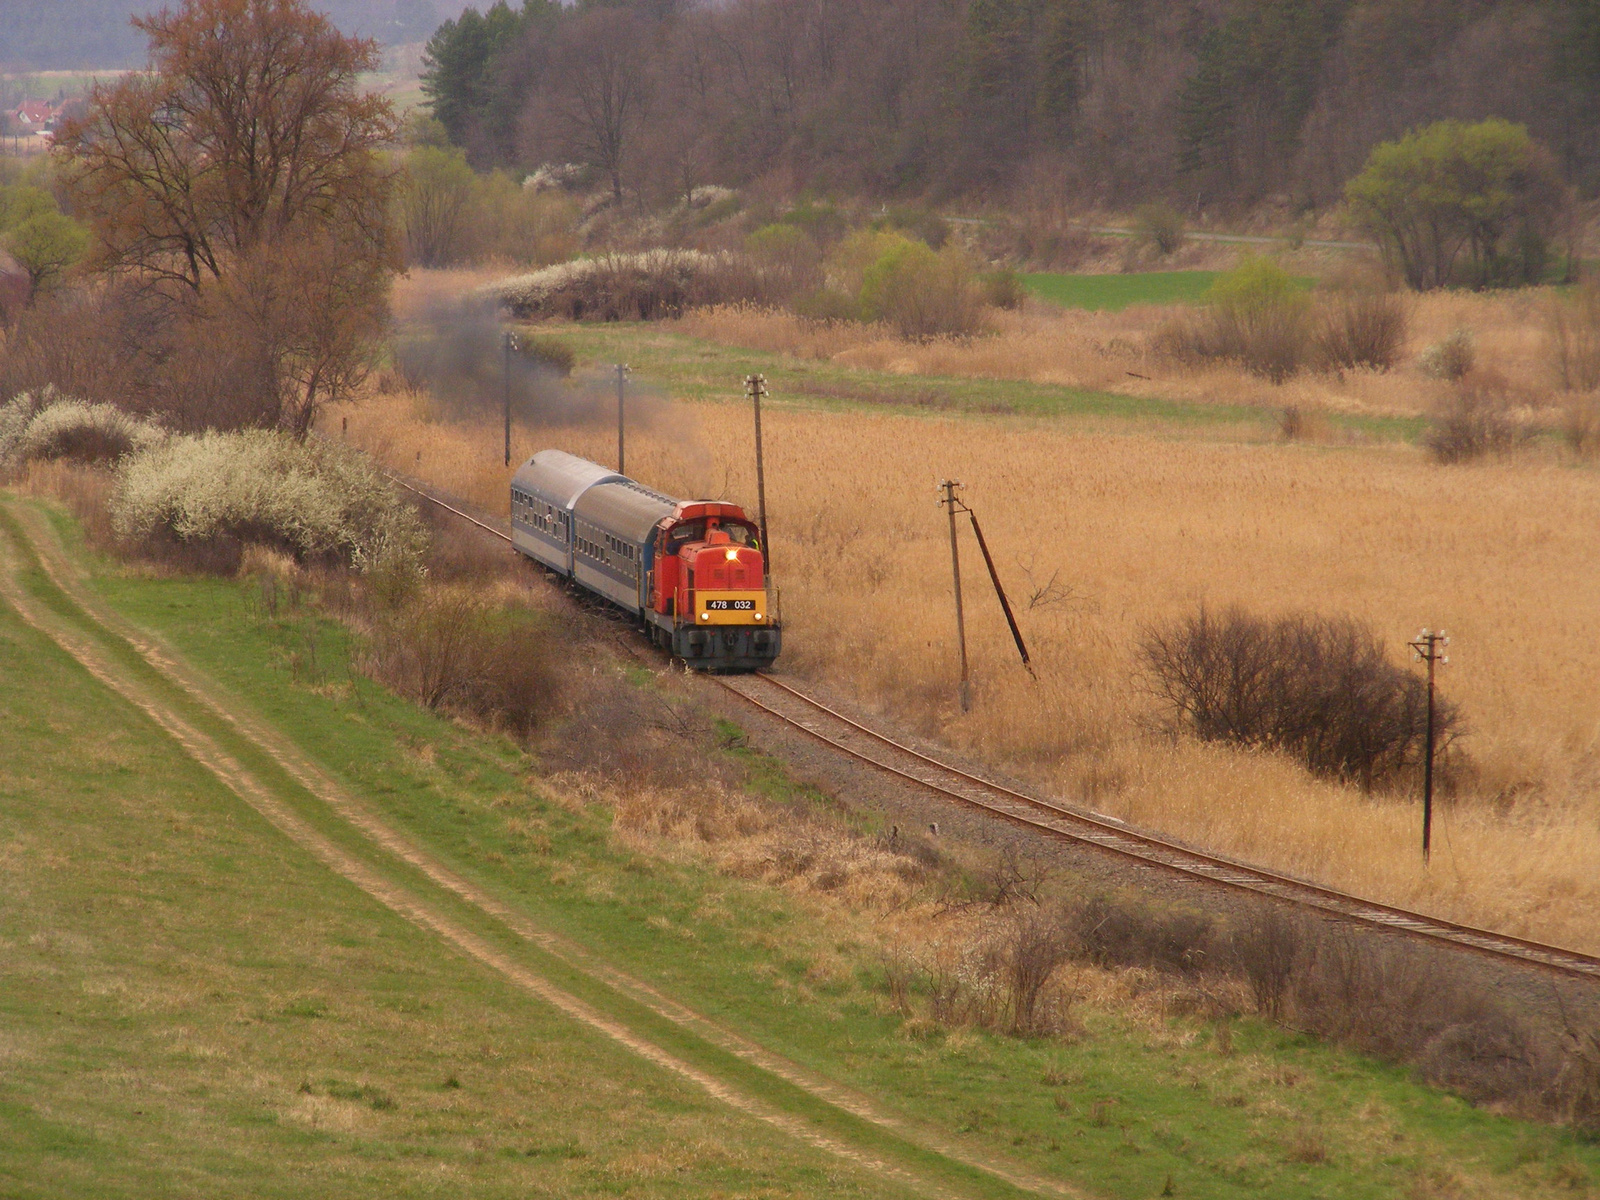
[(950, 501), (1429, 648), (622, 384), (755, 386), (511, 344)]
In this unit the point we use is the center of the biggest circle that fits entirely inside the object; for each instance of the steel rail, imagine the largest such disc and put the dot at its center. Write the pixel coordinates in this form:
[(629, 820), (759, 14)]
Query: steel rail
[(1111, 835)]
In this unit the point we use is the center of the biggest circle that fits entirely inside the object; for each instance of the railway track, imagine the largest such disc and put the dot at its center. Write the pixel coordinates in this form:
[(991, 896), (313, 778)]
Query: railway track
[(804, 713)]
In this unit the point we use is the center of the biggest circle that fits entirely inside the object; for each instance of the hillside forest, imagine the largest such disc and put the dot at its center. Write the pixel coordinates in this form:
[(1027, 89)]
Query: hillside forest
[(1217, 105)]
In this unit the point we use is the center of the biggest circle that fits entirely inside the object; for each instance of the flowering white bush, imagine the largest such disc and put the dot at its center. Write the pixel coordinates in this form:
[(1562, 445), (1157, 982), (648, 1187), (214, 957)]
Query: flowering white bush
[(45, 425), (316, 498), (550, 176), (643, 286), (708, 194)]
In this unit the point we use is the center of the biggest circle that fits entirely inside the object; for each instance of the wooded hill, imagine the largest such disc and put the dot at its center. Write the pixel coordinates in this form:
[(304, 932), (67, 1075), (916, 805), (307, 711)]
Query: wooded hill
[(1213, 103)]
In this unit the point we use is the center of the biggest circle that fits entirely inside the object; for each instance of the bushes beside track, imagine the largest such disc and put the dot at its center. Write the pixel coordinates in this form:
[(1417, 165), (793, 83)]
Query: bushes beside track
[(630, 287), (46, 426), (314, 499)]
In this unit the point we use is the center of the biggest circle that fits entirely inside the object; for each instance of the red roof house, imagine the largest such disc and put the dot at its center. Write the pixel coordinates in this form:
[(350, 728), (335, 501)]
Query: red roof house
[(33, 114)]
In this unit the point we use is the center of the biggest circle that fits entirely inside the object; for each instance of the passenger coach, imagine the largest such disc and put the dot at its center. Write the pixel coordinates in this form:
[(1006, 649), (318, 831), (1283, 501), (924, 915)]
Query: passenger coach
[(691, 571)]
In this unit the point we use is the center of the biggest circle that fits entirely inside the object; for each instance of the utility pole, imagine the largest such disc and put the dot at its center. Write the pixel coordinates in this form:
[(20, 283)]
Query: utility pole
[(511, 343), (755, 386), (1005, 604), (1429, 648), (622, 384), (950, 501)]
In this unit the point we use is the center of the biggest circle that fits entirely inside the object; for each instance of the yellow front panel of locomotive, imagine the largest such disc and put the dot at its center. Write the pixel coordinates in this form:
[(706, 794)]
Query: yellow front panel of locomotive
[(731, 608)]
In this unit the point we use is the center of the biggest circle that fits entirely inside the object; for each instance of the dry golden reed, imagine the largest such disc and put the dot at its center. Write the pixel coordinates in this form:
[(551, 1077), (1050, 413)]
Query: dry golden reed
[(1134, 529), (1110, 352), (1138, 529)]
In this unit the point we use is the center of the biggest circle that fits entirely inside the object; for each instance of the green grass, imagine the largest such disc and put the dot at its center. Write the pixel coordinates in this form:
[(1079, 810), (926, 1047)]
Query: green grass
[(699, 369), (1113, 293), (186, 969), (194, 1007)]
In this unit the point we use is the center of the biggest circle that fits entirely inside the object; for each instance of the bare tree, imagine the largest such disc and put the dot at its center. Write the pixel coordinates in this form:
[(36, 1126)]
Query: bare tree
[(240, 178), (250, 124), (596, 92)]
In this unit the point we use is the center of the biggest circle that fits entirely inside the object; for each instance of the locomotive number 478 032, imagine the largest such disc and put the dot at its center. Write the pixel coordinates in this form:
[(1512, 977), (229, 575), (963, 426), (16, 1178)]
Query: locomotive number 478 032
[(731, 605)]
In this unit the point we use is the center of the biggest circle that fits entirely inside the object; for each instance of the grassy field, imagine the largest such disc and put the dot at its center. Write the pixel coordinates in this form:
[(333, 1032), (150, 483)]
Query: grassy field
[(678, 359), (1100, 367), (1113, 293), (209, 1011), (194, 1007)]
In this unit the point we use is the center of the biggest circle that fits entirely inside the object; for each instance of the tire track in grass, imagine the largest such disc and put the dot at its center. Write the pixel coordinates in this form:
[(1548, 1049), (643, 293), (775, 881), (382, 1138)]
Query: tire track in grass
[(70, 579)]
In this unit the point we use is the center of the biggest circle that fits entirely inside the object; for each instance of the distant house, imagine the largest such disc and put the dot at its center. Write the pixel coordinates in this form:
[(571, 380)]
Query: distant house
[(33, 115)]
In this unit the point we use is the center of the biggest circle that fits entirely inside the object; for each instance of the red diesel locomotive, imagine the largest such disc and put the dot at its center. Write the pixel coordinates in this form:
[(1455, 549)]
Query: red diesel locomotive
[(691, 571)]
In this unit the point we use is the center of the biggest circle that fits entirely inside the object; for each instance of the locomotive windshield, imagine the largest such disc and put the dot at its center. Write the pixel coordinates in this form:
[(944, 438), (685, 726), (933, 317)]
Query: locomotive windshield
[(739, 532)]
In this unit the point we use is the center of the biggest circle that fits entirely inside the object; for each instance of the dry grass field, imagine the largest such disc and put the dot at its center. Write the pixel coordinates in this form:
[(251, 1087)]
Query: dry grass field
[(1138, 529), (1108, 351)]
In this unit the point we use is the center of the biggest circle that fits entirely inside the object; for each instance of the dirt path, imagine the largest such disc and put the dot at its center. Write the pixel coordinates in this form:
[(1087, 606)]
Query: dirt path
[(68, 575)]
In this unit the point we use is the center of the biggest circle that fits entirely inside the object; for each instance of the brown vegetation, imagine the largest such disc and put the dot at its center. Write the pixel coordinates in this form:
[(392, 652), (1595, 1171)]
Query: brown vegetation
[(1113, 352), (1216, 106), (1496, 554), (247, 228), (1319, 688)]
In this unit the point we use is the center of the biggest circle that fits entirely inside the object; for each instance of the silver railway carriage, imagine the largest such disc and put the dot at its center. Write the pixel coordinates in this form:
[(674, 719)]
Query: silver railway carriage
[(691, 572)]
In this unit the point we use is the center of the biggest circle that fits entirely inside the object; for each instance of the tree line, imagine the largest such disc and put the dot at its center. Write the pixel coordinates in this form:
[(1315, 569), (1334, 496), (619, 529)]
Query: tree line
[(1215, 104)]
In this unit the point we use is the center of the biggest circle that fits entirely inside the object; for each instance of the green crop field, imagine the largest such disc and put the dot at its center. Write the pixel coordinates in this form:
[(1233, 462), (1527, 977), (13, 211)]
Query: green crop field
[(693, 368), (1113, 293), (195, 1005)]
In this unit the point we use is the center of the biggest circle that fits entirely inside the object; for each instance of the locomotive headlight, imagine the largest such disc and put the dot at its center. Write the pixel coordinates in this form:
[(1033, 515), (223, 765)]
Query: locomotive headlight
[(758, 616), (733, 556)]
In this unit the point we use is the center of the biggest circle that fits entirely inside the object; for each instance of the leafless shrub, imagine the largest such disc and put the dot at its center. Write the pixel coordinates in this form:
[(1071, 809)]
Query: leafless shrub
[(1274, 341), (1265, 950), (1575, 338), (449, 649), (1361, 329), (1033, 951), (1296, 424), (1450, 359), (1475, 423), (1579, 1085), (899, 973), (1278, 333), (1111, 932), (1580, 423), (1007, 879), (1159, 227), (1042, 241), (1389, 1001), (1004, 981), (1003, 289), (461, 553), (1318, 688)]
